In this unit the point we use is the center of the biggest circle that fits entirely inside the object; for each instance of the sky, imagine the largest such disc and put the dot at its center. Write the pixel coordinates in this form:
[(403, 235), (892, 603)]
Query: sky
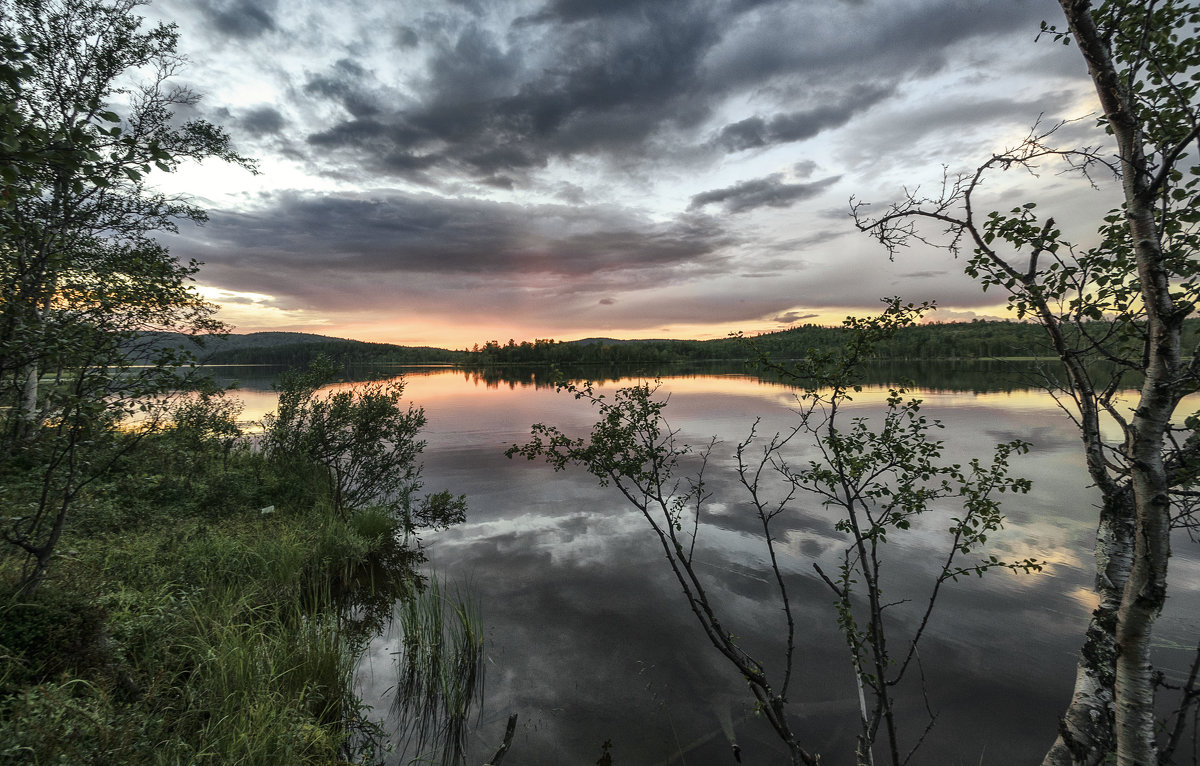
[(448, 172)]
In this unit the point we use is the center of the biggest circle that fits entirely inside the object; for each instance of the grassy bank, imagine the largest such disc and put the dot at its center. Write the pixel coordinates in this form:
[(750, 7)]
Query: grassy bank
[(183, 622)]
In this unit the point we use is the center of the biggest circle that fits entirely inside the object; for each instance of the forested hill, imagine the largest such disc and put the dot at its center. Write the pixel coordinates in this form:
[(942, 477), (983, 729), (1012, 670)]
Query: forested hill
[(297, 349), (966, 340)]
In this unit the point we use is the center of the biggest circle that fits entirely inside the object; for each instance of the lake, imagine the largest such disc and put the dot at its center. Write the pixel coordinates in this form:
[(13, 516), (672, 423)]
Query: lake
[(589, 640)]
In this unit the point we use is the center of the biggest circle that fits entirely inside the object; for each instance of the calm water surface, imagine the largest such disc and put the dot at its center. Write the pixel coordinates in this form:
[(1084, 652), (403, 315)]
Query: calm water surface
[(590, 641)]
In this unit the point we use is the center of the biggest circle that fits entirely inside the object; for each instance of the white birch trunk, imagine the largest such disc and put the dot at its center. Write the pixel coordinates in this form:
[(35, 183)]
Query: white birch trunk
[(28, 414), (1145, 590), (1086, 730)]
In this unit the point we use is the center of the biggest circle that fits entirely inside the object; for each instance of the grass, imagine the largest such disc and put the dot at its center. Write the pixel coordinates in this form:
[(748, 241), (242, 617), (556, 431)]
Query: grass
[(439, 672), (183, 625)]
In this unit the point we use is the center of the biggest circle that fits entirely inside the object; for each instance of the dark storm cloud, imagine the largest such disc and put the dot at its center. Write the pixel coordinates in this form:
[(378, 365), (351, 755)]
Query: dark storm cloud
[(876, 43), (349, 133), (345, 84), (760, 192), (756, 132), (621, 80), (261, 121), (597, 88), (570, 11), (484, 110), (287, 247), (407, 37), (245, 19)]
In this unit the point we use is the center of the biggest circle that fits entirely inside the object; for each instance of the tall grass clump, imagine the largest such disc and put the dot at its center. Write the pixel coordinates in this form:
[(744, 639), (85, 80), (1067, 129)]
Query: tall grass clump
[(237, 662), (439, 672), (274, 683)]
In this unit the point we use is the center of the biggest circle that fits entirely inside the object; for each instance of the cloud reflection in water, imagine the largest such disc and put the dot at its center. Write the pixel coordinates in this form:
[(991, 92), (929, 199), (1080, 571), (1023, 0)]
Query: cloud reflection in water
[(589, 640)]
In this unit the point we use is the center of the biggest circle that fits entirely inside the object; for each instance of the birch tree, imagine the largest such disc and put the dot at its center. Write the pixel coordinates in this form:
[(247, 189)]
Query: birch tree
[(93, 114), (1122, 300), (88, 112)]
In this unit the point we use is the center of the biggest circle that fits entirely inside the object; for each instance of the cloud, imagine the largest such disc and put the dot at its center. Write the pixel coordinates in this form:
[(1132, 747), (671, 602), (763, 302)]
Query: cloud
[(771, 191), (809, 240), (804, 168), (572, 11), (757, 132), (479, 96), (792, 317), (262, 120), (531, 158), (245, 19), (922, 133), (345, 83), (927, 274), (949, 315), (800, 48), (311, 248)]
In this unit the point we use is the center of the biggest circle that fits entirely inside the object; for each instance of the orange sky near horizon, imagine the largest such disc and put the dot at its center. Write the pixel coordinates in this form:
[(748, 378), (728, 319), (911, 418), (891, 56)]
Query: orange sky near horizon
[(259, 316)]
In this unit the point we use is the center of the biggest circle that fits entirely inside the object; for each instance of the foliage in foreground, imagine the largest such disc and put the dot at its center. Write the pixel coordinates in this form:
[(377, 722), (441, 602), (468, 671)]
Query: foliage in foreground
[(365, 441), (89, 111), (208, 607)]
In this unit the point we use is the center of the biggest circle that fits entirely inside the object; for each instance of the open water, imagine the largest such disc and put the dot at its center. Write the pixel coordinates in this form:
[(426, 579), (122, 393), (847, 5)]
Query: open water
[(590, 642)]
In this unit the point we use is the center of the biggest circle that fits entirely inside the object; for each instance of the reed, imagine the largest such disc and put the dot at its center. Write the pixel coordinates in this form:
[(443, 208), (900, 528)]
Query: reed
[(440, 678)]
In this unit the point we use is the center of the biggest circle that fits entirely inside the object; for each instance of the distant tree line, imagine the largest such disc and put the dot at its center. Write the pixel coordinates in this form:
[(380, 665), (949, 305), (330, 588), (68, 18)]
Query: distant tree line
[(344, 352), (979, 339), (976, 340)]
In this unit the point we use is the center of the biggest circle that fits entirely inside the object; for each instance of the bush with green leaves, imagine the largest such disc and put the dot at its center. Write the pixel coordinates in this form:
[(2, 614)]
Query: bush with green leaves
[(364, 438)]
